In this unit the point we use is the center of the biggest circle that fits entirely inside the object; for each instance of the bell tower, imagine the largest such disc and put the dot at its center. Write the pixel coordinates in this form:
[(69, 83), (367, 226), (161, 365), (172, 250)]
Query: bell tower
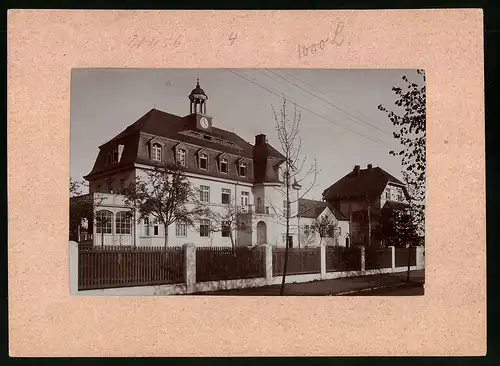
[(198, 100)]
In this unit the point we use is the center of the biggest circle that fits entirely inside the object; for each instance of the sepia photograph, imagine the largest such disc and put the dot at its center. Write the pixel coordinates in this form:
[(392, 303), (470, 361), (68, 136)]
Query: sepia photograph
[(247, 182)]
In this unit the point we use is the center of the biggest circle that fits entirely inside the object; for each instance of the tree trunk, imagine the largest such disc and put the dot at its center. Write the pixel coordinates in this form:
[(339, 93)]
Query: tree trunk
[(285, 265), (166, 235), (409, 258)]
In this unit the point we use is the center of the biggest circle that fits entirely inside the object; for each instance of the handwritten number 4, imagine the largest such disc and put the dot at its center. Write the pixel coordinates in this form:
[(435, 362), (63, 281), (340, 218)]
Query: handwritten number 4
[(232, 37)]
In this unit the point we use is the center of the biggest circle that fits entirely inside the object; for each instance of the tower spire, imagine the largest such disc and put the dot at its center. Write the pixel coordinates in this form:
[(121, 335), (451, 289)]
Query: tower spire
[(198, 99)]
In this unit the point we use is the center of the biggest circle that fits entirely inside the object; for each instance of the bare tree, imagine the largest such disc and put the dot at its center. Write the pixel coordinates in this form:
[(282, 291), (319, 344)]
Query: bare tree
[(294, 170), (325, 226), (228, 219), (165, 194)]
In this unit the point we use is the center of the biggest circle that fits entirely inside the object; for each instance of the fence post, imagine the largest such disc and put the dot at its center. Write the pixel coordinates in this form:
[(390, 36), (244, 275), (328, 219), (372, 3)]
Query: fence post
[(268, 261), (362, 259), (73, 268), (393, 258), (323, 261), (190, 267), (420, 257)]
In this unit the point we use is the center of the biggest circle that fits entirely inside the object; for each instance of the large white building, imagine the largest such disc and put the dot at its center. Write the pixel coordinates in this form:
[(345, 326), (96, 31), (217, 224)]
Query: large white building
[(225, 169)]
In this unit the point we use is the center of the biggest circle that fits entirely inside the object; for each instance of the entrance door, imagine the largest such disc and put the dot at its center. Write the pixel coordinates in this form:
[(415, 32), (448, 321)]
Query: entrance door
[(261, 233)]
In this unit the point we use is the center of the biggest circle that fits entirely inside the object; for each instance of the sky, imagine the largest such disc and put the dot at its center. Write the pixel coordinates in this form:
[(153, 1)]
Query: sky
[(340, 124)]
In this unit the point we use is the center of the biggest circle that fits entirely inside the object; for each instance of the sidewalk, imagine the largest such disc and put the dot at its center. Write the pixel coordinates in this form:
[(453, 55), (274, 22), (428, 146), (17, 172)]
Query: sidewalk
[(340, 286)]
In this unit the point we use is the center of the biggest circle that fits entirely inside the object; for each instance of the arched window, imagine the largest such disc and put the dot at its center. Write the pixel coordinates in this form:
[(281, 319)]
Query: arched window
[(156, 152), (123, 222), (104, 221), (146, 226), (204, 161), (181, 157)]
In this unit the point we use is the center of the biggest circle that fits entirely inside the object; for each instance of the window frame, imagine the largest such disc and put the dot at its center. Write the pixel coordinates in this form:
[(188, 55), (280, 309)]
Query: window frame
[(245, 202), (204, 228), (203, 156), (146, 224), (180, 230), (225, 192), (99, 223), (183, 161), (156, 149), (123, 223), (242, 165), (225, 229), (204, 190), (225, 162)]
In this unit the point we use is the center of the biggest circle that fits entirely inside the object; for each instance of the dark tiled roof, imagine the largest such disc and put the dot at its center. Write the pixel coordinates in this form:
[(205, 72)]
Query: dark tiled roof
[(369, 182), (163, 124), (312, 209), (394, 205)]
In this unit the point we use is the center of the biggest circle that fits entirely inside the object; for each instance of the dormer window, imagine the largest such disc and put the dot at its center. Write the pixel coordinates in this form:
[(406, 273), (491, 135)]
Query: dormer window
[(388, 195), (156, 152), (181, 157), (203, 161), (242, 169), (223, 165), (112, 157)]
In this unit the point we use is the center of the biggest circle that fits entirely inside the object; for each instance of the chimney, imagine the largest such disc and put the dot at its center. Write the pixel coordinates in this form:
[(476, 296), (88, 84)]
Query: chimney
[(260, 139), (356, 169), (369, 167)]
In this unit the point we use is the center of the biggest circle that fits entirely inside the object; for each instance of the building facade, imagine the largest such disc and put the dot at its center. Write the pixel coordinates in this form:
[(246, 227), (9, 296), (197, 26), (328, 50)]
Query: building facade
[(224, 168), (360, 196), (315, 217)]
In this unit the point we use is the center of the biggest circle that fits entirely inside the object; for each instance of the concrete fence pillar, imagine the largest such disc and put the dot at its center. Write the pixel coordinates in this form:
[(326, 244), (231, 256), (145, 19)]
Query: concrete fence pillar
[(393, 257), (190, 267), (268, 262), (73, 267), (323, 261), (362, 258), (420, 257)]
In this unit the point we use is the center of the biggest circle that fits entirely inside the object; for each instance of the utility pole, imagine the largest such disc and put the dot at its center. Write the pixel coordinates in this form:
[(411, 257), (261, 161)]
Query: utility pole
[(369, 219)]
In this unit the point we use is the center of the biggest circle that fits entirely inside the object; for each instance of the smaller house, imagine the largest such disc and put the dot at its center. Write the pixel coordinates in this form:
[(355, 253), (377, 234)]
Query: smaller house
[(322, 224)]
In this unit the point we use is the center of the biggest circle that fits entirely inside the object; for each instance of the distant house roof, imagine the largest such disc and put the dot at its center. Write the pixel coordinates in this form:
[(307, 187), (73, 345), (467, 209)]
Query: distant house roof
[(312, 209), (360, 183), (394, 205)]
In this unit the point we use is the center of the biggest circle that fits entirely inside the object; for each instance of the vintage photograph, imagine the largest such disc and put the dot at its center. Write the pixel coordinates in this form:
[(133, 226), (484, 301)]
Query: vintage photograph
[(253, 182)]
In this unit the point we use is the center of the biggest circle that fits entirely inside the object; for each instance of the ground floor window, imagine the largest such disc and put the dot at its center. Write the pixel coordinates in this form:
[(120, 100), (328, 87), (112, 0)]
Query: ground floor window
[(204, 228), (146, 226), (123, 224), (104, 222), (180, 229), (226, 229)]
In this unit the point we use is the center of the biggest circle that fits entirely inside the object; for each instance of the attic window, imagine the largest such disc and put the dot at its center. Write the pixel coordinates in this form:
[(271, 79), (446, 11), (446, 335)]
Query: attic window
[(156, 152), (223, 165), (206, 137), (242, 169), (112, 157), (203, 161)]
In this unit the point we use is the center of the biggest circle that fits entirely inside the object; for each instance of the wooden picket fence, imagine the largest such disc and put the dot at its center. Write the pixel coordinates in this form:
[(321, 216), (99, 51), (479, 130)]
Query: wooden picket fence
[(300, 261), (121, 266), (226, 263), (342, 259)]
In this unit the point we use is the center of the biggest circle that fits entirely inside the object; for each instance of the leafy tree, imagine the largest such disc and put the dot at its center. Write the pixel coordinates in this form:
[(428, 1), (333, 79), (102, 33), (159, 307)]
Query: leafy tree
[(80, 206), (165, 194), (410, 120)]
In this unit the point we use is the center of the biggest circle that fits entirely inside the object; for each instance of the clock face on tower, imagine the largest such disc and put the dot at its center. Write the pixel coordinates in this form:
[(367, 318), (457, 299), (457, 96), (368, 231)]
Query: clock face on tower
[(204, 122)]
